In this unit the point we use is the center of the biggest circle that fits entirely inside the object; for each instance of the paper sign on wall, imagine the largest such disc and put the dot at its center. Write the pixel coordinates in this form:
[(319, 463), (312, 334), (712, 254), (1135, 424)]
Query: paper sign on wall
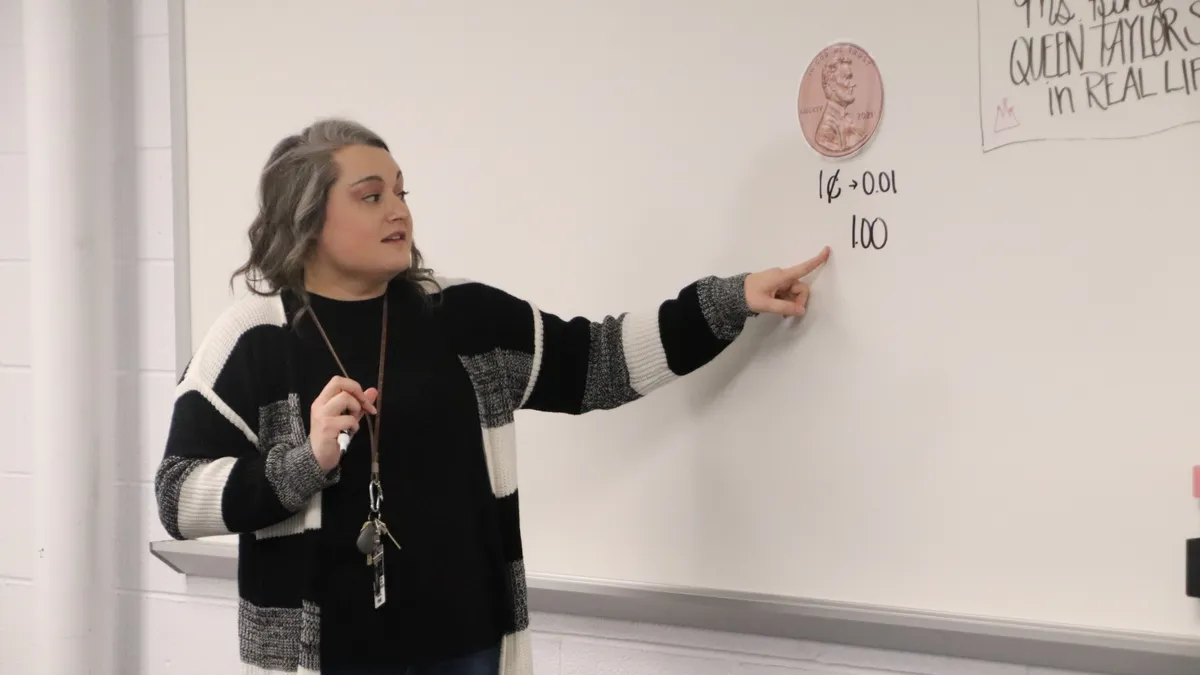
[(1086, 69)]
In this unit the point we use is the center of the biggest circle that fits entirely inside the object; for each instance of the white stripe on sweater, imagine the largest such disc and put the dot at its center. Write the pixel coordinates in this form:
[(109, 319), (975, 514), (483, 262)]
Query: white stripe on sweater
[(516, 654), (645, 357), (200, 497), (308, 519), (500, 449), (536, 365), (213, 353)]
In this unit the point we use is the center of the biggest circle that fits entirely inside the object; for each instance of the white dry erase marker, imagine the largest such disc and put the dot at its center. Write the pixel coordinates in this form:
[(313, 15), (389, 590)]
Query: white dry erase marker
[(344, 440)]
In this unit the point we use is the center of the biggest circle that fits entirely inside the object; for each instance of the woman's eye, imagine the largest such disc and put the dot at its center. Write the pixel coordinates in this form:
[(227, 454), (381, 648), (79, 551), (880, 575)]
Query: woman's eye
[(371, 198), (403, 195)]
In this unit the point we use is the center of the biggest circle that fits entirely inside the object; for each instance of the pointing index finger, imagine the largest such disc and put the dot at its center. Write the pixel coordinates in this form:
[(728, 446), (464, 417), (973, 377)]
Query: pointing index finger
[(809, 265)]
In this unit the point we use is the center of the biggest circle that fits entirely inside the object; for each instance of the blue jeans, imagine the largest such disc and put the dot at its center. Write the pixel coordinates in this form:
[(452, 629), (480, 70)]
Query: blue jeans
[(484, 662)]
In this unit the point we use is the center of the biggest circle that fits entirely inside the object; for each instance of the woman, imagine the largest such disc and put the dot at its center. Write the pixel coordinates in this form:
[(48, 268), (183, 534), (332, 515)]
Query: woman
[(394, 547)]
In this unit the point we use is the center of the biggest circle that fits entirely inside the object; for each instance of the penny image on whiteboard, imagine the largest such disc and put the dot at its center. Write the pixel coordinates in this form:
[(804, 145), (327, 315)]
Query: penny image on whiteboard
[(841, 100)]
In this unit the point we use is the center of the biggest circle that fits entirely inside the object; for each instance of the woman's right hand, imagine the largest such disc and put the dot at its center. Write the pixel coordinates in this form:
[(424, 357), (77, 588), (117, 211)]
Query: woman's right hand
[(339, 407)]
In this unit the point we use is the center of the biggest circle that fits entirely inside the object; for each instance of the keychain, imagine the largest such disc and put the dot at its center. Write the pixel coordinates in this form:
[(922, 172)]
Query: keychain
[(370, 544), (369, 534)]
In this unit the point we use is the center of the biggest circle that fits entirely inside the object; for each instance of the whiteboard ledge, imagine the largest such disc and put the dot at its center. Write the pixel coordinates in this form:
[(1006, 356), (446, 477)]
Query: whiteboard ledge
[(1066, 647)]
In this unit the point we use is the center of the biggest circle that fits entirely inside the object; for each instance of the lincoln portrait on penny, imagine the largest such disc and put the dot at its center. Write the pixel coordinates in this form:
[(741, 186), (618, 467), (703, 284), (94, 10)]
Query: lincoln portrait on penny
[(837, 130)]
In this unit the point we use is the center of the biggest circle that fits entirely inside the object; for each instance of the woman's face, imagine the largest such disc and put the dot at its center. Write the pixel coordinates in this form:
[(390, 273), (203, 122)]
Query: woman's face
[(367, 237)]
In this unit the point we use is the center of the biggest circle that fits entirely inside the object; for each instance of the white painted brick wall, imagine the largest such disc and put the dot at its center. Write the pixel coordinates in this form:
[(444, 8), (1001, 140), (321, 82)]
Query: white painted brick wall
[(173, 626), (16, 543)]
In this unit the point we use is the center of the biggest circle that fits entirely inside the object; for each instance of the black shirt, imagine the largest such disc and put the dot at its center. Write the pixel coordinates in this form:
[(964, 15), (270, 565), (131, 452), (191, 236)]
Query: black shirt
[(444, 594)]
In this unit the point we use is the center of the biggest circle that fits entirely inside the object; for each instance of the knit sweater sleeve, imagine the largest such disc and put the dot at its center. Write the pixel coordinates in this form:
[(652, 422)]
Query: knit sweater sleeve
[(237, 459), (576, 365)]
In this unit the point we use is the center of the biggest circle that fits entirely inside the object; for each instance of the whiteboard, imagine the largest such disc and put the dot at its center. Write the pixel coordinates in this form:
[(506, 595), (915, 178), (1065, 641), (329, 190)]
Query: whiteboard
[(992, 414)]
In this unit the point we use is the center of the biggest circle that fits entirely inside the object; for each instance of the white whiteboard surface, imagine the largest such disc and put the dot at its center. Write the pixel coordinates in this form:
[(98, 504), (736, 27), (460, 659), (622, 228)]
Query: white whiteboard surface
[(992, 415)]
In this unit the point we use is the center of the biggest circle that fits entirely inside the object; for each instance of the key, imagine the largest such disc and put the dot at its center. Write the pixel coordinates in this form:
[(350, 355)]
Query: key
[(383, 528)]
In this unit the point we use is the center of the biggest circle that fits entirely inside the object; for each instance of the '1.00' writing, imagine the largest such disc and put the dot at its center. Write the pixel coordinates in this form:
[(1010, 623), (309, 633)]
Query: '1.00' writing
[(868, 232)]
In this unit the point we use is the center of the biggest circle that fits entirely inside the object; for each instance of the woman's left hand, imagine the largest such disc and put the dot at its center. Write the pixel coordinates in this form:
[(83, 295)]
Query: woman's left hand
[(782, 291)]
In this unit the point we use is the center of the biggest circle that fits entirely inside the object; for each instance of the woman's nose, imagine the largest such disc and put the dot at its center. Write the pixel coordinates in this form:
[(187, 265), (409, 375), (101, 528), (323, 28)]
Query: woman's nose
[(397, 209)]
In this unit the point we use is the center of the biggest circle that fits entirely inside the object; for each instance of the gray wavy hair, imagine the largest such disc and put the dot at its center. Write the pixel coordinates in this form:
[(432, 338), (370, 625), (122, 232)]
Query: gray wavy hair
[(293, 193)]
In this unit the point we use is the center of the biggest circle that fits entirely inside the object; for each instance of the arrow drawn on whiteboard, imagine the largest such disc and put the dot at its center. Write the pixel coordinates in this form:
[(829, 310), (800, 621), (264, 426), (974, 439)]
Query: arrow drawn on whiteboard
[(1006, 118)]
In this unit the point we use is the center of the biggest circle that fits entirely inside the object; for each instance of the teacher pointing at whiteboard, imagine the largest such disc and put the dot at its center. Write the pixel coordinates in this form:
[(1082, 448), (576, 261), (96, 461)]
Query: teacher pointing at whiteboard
[(352, 420)]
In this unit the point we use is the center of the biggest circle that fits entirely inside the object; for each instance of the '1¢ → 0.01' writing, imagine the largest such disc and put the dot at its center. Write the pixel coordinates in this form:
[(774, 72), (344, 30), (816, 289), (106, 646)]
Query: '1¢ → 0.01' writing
[(870, 183)]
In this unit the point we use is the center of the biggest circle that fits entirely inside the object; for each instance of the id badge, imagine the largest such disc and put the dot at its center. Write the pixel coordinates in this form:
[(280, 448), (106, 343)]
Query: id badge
[(377, 565)]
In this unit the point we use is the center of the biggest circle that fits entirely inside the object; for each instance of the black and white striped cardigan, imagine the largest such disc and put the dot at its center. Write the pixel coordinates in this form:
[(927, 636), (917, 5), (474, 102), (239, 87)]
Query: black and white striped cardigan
[(238, 459)]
